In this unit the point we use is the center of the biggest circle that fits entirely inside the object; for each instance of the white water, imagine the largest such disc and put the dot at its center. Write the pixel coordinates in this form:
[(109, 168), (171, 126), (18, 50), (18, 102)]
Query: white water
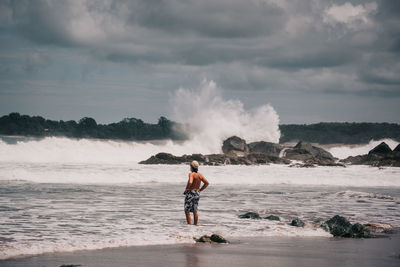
[(210, 119), (344, 151)]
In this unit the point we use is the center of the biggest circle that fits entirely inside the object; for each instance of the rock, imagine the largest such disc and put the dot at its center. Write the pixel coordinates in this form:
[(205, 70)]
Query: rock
[(70, 265), (250, 215), (218, 239), (376, 158), (338, 226), (360, 231), (306, 152), (234, 144), (214, 238), (265, 148), (297, 222), (315, 151), (382, 148), (273, 218), (204, 239), (163, 158)]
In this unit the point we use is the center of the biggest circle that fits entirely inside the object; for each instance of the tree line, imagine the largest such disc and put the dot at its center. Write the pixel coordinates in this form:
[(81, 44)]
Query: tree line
[(136, 129), (126, 129)]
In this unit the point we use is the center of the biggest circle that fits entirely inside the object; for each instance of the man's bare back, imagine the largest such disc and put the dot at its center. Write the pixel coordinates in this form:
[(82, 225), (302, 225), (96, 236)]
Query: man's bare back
[(195, 180)]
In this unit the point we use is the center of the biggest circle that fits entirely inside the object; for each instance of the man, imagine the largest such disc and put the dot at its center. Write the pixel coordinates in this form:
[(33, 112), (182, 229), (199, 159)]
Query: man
[(192, 191)]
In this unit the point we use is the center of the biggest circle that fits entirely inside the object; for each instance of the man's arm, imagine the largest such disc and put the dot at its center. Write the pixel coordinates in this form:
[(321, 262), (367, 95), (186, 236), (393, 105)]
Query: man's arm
[(205, 183)]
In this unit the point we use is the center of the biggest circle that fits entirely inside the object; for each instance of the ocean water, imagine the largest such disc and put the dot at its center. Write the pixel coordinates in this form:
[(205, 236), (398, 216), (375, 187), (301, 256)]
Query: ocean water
[(59, 194)]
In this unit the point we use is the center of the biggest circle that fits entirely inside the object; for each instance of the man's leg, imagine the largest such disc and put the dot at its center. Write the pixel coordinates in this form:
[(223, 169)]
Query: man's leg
[(187, 213), (196, 217)]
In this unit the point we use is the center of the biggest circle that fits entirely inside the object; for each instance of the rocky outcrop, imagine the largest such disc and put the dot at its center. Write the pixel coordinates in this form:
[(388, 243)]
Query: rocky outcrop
[(380, 155), (214, 238), (234, 144), (310, 155), (215, 159), (237, 152), (250, 215), (265, 148), (382, 148), (272, 218), (341, 227)]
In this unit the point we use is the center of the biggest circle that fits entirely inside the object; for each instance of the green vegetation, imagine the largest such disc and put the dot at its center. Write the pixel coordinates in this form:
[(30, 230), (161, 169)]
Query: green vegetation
[(127, 129), (345, 133), (136, 129)]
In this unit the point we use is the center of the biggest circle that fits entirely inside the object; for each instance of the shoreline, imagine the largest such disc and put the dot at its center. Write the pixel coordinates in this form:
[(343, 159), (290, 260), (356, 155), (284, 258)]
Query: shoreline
[(251, 251), (285, 144)]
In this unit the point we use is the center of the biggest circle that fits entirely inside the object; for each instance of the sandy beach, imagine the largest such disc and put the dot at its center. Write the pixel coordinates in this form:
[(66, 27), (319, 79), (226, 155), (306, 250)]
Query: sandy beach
[(271, 251)]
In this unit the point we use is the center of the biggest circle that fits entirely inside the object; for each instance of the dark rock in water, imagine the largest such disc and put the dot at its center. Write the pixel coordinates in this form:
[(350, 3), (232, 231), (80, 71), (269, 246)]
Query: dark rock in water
[(250, 215), (297, 222), (218, 239), (70, 265), (307, 152), (376, 158), (315, 151), (359, 231), (162, 158), (340, 226), (273, 218), (382, 148), (204, 239), (234, 144), (214, 238), (265, 148)]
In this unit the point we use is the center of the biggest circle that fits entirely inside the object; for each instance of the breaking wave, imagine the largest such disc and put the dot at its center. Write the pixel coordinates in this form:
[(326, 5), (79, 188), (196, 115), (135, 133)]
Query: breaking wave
[(345, 151), (208, 120)]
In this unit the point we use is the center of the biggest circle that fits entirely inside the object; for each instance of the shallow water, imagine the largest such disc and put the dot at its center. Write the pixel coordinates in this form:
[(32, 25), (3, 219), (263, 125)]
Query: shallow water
[(48, 217), (55, 202)]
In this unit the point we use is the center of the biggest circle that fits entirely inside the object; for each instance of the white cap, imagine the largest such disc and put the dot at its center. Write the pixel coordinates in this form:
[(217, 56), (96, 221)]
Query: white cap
[(194, 164)]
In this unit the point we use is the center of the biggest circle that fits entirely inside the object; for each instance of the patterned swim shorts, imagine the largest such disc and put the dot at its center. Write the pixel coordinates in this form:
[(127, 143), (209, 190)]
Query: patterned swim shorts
[(192, 200)]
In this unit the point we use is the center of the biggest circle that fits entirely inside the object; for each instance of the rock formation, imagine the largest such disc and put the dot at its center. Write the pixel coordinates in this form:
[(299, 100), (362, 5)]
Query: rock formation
[(381, 155), (238, 152), (214, 238), (341, 227)]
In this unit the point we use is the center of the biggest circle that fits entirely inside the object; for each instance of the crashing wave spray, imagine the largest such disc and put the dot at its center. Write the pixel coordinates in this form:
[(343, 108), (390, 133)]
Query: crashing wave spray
[(209, 119)]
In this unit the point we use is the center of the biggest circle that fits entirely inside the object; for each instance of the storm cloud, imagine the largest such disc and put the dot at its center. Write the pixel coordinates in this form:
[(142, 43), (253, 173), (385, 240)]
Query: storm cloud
[(272, 46)]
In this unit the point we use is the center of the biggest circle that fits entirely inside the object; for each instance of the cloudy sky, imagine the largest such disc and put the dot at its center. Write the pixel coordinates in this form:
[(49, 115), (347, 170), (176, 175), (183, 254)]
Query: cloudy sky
[(316, 60)]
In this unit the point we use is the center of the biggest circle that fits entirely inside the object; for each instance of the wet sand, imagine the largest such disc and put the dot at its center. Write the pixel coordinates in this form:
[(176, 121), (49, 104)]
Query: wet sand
[(266, 251)]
